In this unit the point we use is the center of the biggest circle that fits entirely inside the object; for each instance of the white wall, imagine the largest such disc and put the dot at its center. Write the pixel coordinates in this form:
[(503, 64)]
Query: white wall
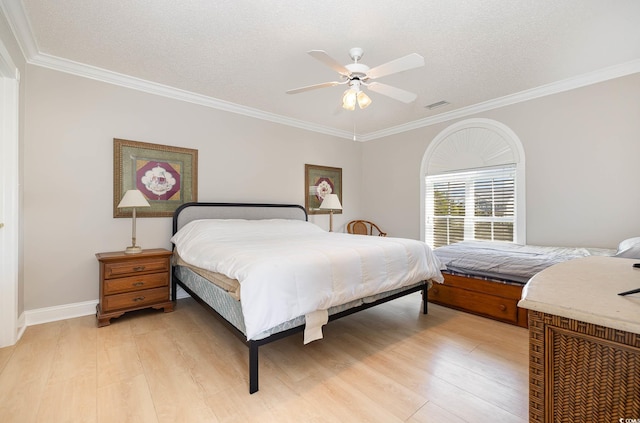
[(68, 184), (582, 151), (587, 139)]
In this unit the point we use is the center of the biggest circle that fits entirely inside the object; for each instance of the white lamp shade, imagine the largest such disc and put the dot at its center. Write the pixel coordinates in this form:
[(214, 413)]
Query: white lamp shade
[(331, 202), (133, 198)]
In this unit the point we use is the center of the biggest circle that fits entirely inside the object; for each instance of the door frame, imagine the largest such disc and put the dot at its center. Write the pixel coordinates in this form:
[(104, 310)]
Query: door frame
[(10, 327)]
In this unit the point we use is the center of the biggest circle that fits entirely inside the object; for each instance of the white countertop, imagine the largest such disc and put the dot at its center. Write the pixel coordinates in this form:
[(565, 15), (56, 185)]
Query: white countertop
[(586, 289)]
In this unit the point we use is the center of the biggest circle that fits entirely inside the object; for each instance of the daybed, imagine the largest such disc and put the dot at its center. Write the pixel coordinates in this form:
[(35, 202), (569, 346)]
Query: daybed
[(486, 278), (269, 273)]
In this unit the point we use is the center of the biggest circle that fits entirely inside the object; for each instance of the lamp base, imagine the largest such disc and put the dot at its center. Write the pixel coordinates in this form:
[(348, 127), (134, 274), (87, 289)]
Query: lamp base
[(331, 220), (134, 249)]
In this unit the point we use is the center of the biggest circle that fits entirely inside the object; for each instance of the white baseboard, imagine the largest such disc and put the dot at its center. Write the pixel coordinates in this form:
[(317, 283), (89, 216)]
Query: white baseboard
[(61, 312), (66, 311)]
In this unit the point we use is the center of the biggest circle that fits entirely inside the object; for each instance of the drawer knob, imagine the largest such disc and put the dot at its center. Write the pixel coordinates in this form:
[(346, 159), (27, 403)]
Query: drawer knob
[(138, 268), (138, 283), (135, 300), (435, 290), (503, 307)]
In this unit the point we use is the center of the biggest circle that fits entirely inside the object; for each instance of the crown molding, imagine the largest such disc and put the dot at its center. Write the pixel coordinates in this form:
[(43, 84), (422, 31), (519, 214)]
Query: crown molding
[(103, 75), (590, 78), (21, 28), (127, 81), (20, 25)]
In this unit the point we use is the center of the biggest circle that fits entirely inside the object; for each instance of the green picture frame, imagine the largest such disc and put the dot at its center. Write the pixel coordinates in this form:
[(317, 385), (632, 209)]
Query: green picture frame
[(167, 176), (319, 181)]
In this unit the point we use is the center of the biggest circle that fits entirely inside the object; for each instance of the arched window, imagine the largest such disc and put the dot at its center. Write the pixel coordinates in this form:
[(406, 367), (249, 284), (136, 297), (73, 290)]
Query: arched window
[(472, 185)]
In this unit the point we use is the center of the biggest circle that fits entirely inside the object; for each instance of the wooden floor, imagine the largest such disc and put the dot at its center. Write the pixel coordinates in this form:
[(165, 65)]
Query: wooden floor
[(386, 364)]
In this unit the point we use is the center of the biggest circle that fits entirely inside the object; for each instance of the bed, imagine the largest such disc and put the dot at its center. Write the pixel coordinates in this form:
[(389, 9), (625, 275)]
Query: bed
[(486, 278), (268, 273)]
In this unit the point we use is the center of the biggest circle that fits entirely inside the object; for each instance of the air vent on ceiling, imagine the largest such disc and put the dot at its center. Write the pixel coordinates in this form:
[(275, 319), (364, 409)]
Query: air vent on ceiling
[(436, 105)]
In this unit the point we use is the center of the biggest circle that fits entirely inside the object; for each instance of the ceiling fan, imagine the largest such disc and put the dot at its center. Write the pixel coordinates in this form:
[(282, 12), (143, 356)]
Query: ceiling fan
[(357, 76)]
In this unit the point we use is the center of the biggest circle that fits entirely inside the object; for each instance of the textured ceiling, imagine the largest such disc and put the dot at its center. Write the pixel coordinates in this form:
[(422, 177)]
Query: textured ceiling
[(249, 52)]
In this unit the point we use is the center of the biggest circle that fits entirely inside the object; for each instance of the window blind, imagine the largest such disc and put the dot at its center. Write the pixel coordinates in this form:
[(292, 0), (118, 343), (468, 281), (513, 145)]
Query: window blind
[(474, 204)]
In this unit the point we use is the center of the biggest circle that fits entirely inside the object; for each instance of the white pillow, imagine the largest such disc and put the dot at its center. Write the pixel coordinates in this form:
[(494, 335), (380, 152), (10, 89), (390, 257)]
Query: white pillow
[(629, 248)]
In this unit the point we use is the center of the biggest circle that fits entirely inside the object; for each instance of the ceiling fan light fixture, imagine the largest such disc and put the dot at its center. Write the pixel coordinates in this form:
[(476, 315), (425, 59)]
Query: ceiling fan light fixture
[(363, 100), (355, 95), (349, 99), (356, 74)]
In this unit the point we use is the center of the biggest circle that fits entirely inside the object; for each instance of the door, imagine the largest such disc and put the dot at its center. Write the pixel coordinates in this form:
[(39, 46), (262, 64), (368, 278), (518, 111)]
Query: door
[(9, 199)]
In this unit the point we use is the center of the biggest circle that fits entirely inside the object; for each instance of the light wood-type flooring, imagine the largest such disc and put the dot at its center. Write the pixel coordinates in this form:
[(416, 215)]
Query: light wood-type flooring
[(386, 364)]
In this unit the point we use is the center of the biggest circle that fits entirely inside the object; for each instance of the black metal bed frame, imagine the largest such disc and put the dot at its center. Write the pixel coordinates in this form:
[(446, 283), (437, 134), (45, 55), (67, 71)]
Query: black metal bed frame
[(255, 344)]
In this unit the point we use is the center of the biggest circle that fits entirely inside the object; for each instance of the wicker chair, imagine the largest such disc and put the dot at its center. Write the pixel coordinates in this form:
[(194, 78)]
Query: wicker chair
[(364, 227)]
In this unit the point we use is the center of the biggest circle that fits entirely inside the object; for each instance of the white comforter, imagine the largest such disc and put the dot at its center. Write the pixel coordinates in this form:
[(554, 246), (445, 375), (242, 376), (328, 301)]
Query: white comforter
[(289, 268)]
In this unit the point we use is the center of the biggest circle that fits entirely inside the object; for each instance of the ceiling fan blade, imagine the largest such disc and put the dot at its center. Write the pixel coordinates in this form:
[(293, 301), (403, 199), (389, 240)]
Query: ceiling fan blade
[(402, 64), (313, 87), (322, 56), (393, 92)]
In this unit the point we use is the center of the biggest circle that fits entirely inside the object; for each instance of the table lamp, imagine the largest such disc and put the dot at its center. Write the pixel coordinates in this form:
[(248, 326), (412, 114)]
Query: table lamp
[(331, 202), (133, 198)]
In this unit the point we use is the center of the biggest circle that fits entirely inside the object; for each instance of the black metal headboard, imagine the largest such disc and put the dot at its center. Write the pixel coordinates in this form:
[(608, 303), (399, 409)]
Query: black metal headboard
[(194, 211)]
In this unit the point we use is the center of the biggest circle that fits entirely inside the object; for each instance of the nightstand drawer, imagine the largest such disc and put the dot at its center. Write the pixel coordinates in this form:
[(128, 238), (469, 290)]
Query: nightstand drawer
[(125, 268), (135, 283), (135, 299)]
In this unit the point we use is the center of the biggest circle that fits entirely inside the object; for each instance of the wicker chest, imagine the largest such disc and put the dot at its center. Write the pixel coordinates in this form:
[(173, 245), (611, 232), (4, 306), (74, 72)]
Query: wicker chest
[(584, 357), (581, 372)]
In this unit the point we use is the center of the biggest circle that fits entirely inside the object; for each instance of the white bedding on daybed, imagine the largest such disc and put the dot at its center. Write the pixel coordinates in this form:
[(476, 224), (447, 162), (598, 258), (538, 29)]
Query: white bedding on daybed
[(289, 268)]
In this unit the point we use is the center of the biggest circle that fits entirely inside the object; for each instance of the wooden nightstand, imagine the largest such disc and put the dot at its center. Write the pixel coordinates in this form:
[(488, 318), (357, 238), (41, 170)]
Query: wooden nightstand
[(132, 282)]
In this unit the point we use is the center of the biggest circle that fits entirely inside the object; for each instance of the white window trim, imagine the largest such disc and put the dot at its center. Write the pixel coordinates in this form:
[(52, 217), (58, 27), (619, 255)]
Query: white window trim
[(518, 153)]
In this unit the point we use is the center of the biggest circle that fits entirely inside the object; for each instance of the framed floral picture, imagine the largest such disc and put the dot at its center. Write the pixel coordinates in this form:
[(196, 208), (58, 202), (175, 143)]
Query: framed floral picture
[(318, 182), (167, 176)]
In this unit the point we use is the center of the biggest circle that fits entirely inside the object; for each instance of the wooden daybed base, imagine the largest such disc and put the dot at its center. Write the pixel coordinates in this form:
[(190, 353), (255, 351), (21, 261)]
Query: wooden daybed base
[(495, 300)]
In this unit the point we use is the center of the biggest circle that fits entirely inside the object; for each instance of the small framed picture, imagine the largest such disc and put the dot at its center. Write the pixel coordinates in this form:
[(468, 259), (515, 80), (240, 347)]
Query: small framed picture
[(318, 182), (167, 176)]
